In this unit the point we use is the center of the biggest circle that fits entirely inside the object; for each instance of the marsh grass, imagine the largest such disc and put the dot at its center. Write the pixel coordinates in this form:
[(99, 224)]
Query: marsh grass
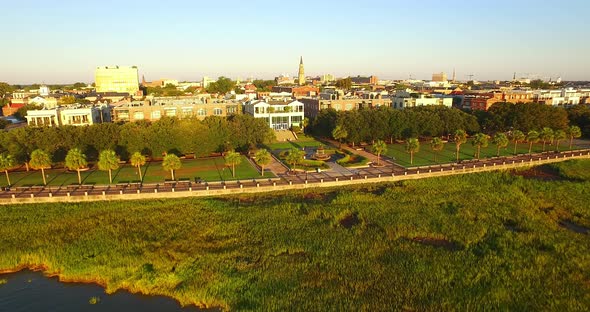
[(490, 240)]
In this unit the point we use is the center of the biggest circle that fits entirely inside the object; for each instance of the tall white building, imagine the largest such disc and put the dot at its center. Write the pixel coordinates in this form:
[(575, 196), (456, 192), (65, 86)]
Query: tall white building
[(280, 115), (120, 79)]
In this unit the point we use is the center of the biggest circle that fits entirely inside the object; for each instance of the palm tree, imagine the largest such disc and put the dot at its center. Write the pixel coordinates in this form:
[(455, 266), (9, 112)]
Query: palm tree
[(532, 137), (480, 140), (40, 160), (573, 132), (6, 162), (559, 136), (379, 148), (233, 158), (501, 141), (412, 146), (546, 135), (437, 145), (171, 162), (294, 156), (262, 158), (76, 160), (108, 161), (517, 135), (460, 137), (304, 123), (138, 160), (339, 133)]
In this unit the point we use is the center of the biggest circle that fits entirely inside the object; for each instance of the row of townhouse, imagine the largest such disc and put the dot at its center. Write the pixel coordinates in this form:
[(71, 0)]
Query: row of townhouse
[(199, 106), (483, 100)]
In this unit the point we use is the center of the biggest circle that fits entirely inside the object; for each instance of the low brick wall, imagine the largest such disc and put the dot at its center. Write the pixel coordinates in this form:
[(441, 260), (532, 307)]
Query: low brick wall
[(342, 181)]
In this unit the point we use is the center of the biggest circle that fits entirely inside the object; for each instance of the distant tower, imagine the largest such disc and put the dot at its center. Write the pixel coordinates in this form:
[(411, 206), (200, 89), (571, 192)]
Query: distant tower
[(143, 80), (514, 77), (453, 75), (44, 90), (301, 79)]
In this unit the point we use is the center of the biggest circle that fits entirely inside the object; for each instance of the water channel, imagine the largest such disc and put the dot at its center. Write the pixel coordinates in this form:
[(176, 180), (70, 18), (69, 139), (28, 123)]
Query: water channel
[(32, 291)]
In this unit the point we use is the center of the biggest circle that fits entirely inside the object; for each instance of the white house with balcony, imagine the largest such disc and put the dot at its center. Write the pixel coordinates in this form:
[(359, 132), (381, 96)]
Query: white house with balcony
[(74, 115), (280, 115)]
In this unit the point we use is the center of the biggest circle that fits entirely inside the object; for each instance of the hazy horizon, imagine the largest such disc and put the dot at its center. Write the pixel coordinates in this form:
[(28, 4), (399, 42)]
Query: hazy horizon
[(65, 42)]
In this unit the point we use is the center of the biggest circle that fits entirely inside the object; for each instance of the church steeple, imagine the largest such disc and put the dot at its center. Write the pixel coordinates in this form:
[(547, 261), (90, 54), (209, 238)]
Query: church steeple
[(301, 76)]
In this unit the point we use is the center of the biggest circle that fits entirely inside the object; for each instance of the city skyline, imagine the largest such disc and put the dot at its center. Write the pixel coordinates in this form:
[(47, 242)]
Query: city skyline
[(65, 42)]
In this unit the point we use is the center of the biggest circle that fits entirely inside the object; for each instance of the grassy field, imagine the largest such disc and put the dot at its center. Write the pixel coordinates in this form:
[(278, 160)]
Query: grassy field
[(303, 141), (489, 241), (209, 169), (425, 156)]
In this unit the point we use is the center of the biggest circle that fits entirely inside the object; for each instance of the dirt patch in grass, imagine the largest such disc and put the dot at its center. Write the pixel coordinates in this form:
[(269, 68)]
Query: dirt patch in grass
[(347, 219), (437, 242), (542, 173)]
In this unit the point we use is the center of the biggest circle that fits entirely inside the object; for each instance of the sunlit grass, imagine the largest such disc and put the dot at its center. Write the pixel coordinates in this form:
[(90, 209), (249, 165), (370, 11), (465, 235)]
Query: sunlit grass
[(492, 240)]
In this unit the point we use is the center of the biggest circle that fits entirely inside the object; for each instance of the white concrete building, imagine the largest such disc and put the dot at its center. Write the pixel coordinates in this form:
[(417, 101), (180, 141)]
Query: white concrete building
[(403, 99), (74, 115), (43, 117), (563, 97), (280, 115)]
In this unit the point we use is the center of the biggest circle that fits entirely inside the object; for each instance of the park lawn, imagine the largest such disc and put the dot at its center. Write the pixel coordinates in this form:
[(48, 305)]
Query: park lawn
[(425, 157), (303, 141), (206, 169), (494, 241), (209, 169)]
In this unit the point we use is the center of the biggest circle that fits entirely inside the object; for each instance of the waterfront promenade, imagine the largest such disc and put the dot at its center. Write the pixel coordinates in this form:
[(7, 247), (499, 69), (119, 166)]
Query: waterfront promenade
[(285, 181)]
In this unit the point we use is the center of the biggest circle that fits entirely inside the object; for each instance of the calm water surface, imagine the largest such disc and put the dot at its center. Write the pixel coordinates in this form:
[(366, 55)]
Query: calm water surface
[(31, 291)]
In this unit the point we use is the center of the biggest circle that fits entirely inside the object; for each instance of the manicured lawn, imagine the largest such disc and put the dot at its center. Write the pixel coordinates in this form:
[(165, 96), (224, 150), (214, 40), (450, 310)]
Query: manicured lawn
[(303, 141), (425, 156), (497, 241), (209, 169)]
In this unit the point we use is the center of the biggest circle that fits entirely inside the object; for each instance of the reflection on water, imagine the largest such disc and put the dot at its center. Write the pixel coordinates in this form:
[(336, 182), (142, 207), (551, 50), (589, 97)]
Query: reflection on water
[(31, 292)]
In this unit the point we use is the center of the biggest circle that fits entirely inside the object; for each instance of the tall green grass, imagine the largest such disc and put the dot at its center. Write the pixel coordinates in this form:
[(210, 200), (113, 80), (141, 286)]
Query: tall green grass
[(489, 241)]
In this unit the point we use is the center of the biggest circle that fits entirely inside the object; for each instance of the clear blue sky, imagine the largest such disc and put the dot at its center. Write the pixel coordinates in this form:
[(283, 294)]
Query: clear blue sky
[(63, 41)]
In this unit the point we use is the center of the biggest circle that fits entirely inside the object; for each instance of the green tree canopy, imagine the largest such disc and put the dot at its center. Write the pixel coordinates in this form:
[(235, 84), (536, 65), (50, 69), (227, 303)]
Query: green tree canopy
[(532, 137), (501, 141), (379, 148), (437, 145), (76, 160), (7, 162), (232, 159), (40, 160), (294, 156), (137, 160), (339, 133), (108, 161), (480, 140), (171, 163), (460, 138), (412, 147), (262, 158)]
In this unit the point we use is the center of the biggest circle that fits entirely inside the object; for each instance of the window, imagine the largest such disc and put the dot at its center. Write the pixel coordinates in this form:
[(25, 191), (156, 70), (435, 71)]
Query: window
[(348, 106), (170, 112), (123, 115), (187, 111), (202, 112), (156, 114), (138, 115), (217, 111)]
